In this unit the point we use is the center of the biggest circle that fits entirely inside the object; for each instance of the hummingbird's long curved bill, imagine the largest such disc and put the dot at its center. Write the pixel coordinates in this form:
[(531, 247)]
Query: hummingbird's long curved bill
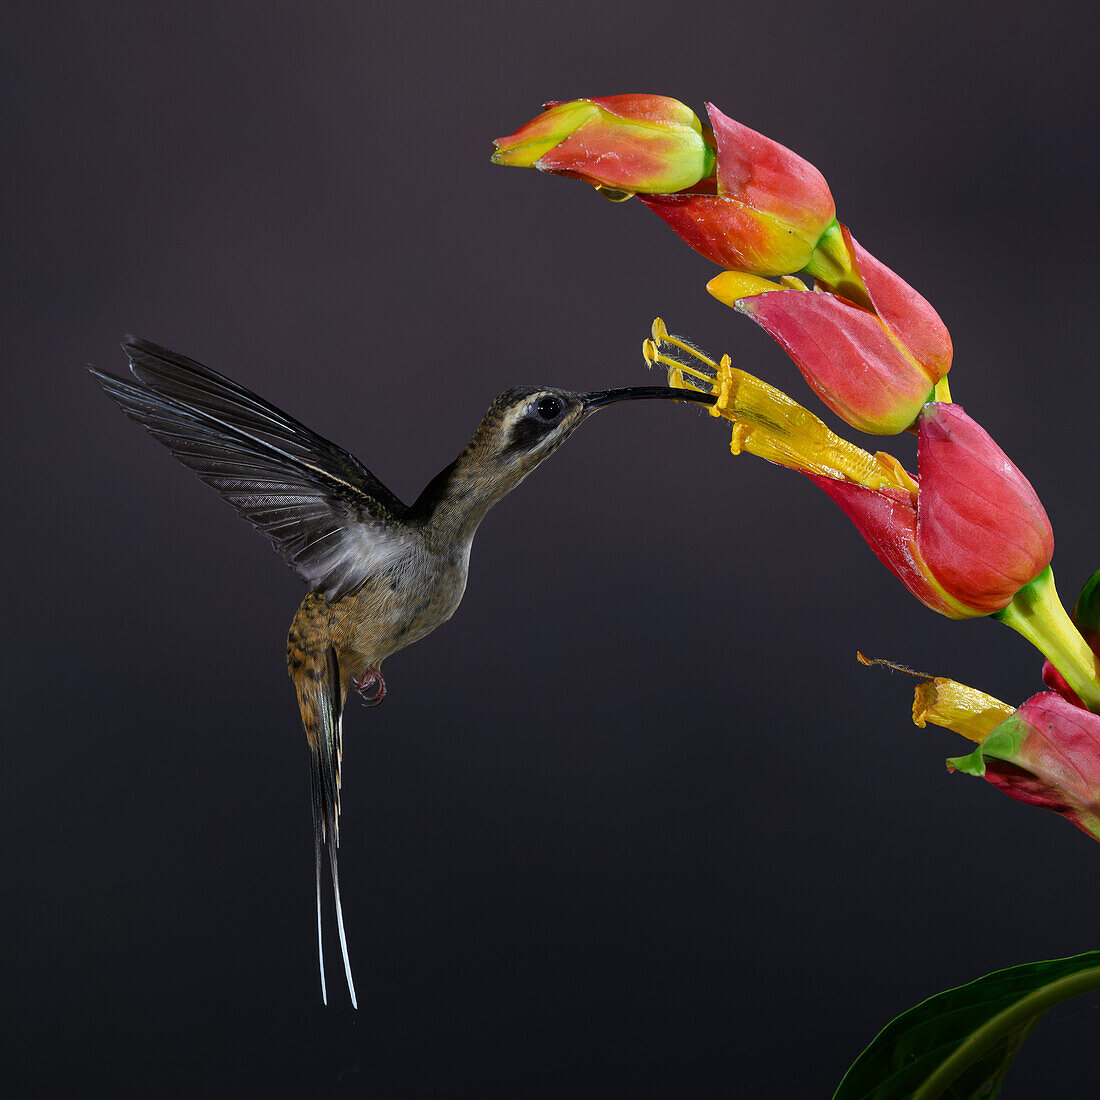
[(599, 398)]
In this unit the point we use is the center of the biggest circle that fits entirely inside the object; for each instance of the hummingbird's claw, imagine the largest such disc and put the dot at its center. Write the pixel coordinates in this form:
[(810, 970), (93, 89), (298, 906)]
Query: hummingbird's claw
[(372, 678)]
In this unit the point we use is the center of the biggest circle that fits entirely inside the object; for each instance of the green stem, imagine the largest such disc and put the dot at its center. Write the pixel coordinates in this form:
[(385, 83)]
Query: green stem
[(1038, 614), (980, 1042)]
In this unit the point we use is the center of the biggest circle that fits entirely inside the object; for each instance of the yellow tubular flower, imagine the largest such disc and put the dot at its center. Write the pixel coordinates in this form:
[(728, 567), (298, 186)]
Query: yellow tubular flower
[(957, 707), (771, 425)]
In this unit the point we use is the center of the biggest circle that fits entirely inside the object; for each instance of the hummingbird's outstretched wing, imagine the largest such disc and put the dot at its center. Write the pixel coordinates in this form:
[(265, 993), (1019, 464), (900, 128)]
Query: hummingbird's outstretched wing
[(329, 517)]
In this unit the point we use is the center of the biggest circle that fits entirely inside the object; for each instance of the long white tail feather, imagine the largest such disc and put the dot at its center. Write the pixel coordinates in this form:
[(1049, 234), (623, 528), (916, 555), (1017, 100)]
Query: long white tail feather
[(324, 761), (320, 943), (340, 926)]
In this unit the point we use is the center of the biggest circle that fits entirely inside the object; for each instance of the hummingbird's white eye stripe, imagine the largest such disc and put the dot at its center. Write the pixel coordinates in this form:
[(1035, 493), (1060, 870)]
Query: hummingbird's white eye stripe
[(512, 416)]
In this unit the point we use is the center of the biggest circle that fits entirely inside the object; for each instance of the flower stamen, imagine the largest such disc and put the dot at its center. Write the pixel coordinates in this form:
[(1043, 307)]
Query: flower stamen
[(661, 335), (771, 425), (676, 369)]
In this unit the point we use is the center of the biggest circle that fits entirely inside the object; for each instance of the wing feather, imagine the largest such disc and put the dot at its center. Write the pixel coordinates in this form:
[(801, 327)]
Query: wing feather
[(325, 513)]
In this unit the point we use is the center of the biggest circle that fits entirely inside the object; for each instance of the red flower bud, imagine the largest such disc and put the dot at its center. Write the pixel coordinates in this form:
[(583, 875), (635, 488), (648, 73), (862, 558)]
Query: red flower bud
[(887, 520), (874, 365), (764, 213), (974, 532), (1047, 754), (980, 527), (909, 317), (623, 142)]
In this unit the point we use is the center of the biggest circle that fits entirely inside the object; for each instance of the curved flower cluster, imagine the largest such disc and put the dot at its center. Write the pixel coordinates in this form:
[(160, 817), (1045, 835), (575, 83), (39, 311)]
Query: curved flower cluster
[(967, 534)]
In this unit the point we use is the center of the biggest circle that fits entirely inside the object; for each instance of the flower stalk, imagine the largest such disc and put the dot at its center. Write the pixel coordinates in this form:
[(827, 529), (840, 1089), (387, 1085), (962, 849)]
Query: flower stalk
[(1037, 614)]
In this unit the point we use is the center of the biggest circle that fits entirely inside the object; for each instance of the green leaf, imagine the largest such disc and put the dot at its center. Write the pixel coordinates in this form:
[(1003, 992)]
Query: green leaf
[(959, 1044), (1086, 611)]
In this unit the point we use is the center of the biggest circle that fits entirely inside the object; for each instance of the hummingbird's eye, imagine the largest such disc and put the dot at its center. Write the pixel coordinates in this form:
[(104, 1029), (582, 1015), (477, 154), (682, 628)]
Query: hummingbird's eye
[(549, 407)]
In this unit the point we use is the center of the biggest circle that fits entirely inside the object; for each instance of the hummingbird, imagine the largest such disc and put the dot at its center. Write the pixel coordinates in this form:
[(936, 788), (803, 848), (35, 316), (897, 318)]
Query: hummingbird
[(381, 574)]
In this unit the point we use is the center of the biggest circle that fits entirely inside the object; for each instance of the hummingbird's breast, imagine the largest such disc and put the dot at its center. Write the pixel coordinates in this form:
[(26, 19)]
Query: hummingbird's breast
[(399, 606)]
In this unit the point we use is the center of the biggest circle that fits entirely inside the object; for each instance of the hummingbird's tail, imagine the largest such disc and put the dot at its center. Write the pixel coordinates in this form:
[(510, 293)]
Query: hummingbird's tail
[(320, 698)]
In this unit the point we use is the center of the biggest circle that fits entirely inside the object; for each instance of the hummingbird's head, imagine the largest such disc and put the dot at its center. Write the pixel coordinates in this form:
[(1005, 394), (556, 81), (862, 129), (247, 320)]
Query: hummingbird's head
[(527, 424), (522, 427)]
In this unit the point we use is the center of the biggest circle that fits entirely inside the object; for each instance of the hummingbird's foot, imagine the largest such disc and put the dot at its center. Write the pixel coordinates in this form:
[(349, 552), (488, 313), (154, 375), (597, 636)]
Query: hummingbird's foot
[(371, 687)]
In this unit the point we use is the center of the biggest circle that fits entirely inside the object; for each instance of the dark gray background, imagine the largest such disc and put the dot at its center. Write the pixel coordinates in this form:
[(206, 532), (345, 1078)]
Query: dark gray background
[(635, 822)]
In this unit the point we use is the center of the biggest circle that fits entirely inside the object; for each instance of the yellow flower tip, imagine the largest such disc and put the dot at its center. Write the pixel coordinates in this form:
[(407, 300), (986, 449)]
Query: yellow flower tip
[(949, 704), (943, 391), (530, 143), (954, 706), (658, 331), (924, 698), (731, 286)]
